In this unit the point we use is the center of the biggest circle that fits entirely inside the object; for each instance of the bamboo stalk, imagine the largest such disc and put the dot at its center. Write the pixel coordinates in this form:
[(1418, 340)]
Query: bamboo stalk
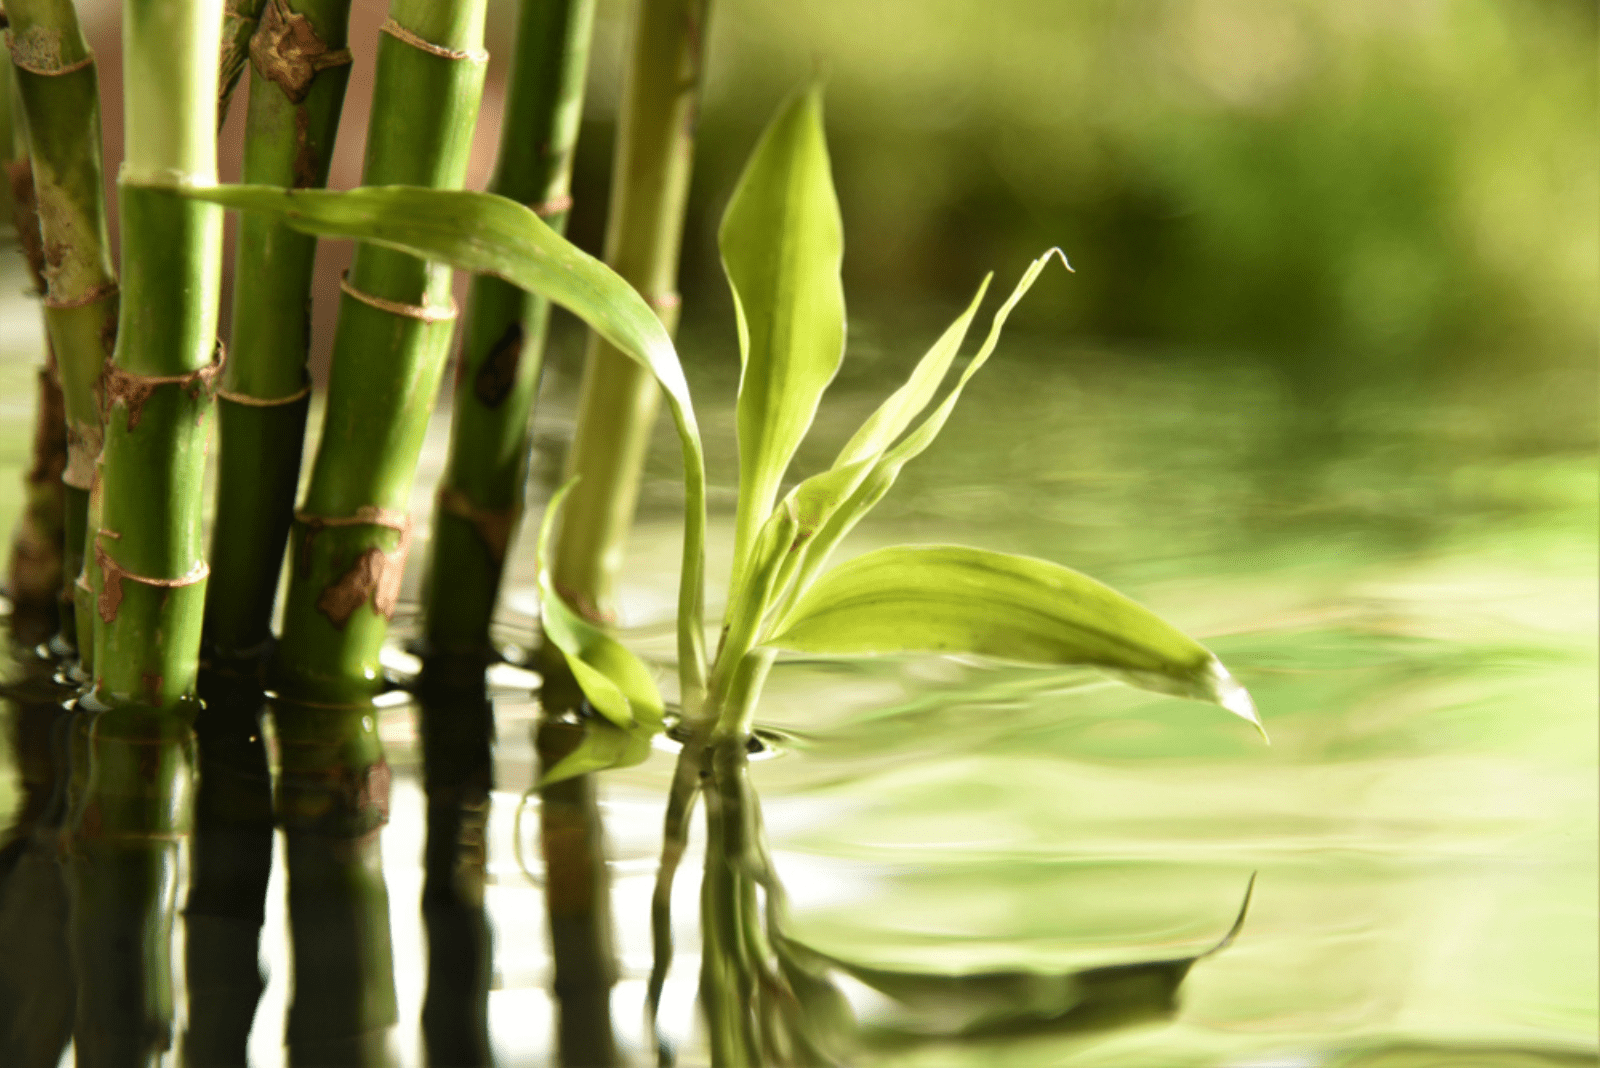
[(332, 803), (350, 539), (644, 233), (616, 408), (300, 66), (58, 87), (480, 503), (133, 803), (481, 497)]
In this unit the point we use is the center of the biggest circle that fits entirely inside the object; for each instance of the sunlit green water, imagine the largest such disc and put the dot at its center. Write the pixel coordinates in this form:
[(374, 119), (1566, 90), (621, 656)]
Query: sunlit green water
[(1406, 580)]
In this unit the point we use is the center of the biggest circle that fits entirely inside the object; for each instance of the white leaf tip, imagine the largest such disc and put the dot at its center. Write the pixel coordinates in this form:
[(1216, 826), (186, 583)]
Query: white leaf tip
[(1056, 251), (1232, 695)]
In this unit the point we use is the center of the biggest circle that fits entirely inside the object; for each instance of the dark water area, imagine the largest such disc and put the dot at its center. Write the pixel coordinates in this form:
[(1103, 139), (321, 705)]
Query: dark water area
[(934, 862)]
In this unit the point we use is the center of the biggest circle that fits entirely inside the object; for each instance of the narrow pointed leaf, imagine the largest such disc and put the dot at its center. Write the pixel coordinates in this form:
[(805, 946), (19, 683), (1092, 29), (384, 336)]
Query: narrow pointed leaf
[(492, 235), (957, 600), (831, 503), (616, 682), (903, 405), (782, 242)]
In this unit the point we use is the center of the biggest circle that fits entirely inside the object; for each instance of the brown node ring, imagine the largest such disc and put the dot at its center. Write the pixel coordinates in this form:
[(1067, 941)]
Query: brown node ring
[(113, 574), (375, 576), (91, 296), (133, 389), (420, 312), (264, 402), (37, 53), (422, 44)]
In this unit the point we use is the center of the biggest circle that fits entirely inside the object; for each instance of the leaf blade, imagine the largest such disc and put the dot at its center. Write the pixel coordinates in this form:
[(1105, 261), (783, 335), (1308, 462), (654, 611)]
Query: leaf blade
[(782, 242), (954, 599)]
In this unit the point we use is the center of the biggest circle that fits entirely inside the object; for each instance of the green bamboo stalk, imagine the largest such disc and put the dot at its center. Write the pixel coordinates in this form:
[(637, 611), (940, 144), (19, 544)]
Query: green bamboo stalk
[(58, 86), (644, 233), (133, 804), (332, 803), (482, 494), (349, 541), (300, 66)]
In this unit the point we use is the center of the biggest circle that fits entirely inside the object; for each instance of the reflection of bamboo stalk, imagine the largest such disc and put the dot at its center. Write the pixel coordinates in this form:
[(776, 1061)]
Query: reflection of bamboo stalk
[(130, 809), (577, 901), (457, 731), (229, 863), (36, 984), (332, 803)]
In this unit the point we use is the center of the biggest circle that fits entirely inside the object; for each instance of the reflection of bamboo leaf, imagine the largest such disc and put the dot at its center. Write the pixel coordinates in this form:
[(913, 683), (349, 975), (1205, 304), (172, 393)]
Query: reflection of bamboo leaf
[(1004, 1004)]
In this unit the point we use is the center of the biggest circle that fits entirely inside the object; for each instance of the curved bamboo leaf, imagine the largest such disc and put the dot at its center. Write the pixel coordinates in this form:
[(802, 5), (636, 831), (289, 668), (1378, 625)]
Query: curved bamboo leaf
[(492, 235), (953, 599), (831, 503), (616, 682), (782, 241)]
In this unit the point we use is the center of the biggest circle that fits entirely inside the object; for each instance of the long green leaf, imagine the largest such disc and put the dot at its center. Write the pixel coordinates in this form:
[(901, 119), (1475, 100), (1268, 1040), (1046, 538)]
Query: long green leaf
[(616, 682), (492, 235), (782, 241), (953, 599), (831, 503)]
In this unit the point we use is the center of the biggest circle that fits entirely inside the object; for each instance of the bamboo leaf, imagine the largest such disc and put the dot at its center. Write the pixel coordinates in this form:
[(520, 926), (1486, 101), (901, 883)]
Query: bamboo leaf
[(616, 682), (492, 235), (953, 599), (831, 503), (895, 414), (782, 242)]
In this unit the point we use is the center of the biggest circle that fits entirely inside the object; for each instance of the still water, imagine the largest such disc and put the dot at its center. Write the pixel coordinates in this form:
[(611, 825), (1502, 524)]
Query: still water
[(1403, 575)]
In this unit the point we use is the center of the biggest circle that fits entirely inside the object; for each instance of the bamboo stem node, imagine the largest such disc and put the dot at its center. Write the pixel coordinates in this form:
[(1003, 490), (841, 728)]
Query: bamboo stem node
[(422, 44), (110, 598), (40, 53), (375, 576), (264, 402), (133, 389), (664, 302), (90, 296), (420, 312)]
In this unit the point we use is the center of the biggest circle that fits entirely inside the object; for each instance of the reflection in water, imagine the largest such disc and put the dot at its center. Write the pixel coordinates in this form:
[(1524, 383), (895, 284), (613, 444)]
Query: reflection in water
[(37, 991), (332, 804), (129, 809), (577, 890), (230, 860), (458, 774), (768, 999)]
